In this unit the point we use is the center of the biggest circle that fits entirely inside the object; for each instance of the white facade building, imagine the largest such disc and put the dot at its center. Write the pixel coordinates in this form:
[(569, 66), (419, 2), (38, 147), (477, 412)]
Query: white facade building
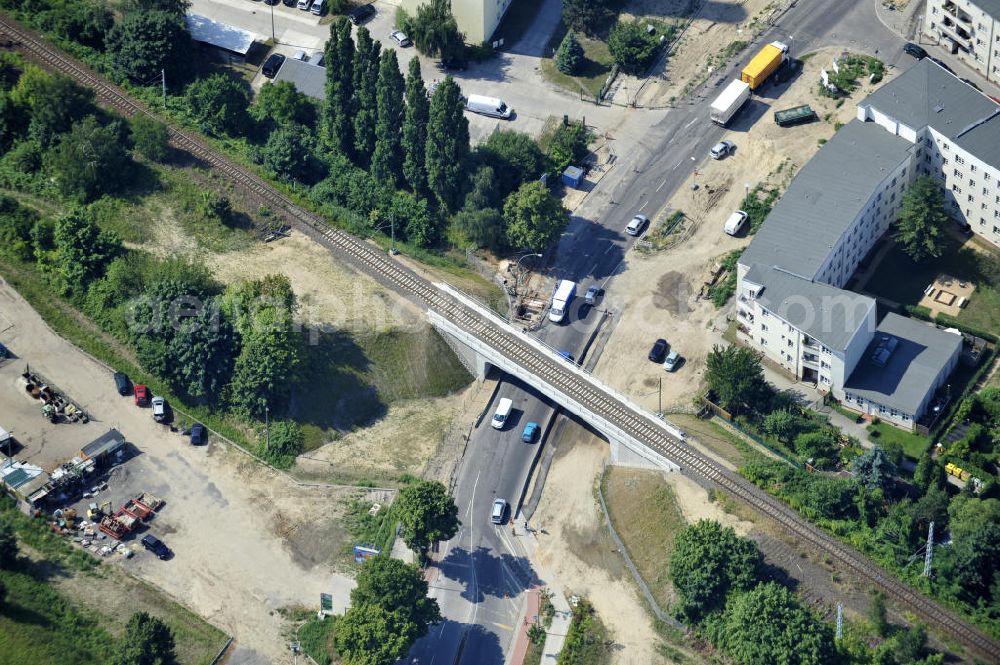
[(969, 29), (477, 19)]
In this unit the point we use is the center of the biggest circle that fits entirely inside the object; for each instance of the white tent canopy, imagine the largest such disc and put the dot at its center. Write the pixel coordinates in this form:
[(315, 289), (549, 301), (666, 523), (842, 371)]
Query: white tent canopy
[(222, 35)]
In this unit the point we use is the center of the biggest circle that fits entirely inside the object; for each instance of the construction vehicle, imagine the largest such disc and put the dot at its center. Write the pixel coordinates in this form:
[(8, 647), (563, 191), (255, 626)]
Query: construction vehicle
[(765, 63), (794, 116)]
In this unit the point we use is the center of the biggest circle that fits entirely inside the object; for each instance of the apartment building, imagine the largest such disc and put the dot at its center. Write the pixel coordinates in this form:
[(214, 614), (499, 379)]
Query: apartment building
[(791, 299), (970, 30), (477, 19)]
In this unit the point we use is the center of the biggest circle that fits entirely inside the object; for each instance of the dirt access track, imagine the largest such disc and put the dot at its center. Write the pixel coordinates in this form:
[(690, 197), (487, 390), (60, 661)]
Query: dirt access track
[(246, 540)]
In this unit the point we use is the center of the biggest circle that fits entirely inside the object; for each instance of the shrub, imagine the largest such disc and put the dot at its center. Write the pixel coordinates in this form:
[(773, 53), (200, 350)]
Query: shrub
[(631, 47)]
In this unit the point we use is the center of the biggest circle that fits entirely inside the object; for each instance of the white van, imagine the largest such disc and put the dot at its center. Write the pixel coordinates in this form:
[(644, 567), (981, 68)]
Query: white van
[(489, 106), (503, 410), (735, 222), (304, 5)]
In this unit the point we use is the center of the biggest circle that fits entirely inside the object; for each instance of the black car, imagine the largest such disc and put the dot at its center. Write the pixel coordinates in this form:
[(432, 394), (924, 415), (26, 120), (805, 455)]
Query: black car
[(362, 14), (453, 64), (968, 82), (271, 3), (917, 52), (288, 3), (123, 385), (943, 65), (272, 65), (156, 546), (659, 348), (199, 435)]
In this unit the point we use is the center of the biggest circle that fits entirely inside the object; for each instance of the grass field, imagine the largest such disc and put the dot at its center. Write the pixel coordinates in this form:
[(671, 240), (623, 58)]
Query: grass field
[(713, 436), (645, 514), (913, 445), (593, 71)]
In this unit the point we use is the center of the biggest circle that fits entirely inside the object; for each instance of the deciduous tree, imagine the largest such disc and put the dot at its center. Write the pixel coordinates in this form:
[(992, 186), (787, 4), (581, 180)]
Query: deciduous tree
[(288, 153), (388, 146), (434, 30), (588, 16), (85, 22), (147, 641), (631, 47), (282, 103), (372, 635), (143, 43), (922, 220), (89, 161), (281, 443), (877, 615), (735, 376), (427, 514), (781, 424), (83, 251), (150, 137), (397, 587), (447, 144), (219, 105), (533, 217), (515, 158), (53, 102), (414, 137)]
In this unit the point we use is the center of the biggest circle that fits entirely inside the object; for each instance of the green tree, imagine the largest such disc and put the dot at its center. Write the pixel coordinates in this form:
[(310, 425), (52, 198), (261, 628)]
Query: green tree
[(781, 424), (877, 615), (388, 139), (483, 190), (515, 158), (176, 7), (89, 161), (367, 73), (570, 54), (339, 58), (372, 635), (707, 563), (413, 217), (83, 251), (399, 588), (16, 223), (215, 207), (282, 103), (447, 144), (143, 43), (975, 563), (150, 137), (85, 22), (481, 227), (219, 105), (830, 498), (12, 122), (427, 514), (414, 136), (281, 443), (874, 469), (434, 30), (54, 102), (922, 220), (735, 376), (631, 47), (968, 515), (533, 217), (568, 146), (147, 641), (288, 153), (909, 645), (766, 625), (8, 544), (588, 16)]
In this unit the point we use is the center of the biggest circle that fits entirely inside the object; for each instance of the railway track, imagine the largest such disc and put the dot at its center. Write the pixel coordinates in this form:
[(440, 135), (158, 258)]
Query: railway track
[(642, 426)]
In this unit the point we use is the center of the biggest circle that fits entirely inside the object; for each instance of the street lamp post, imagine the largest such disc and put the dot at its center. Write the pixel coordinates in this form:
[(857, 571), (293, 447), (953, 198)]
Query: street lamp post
[(746, 197), (267, 428), (274, 40)]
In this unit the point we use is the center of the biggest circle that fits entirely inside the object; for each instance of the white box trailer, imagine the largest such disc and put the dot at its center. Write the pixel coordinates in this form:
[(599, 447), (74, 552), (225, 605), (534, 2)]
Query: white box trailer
[(561, 300), (730, 101)]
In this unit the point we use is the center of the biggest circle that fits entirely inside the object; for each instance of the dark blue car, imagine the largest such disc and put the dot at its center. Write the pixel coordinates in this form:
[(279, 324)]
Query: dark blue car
[(199, 435), (530, 432)]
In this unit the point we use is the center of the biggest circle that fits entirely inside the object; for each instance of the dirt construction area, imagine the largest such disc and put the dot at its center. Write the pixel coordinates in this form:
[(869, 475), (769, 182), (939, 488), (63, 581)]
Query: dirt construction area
[(658, 294), (246, 541)]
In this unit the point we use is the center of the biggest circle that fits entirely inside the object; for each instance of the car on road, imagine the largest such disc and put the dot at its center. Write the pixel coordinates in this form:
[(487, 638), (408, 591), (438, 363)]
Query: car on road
[(722, 149), (199, 435), (530, 432), (591, 296), (272, 65), (141, 395), (735, 223), (659, 348), (637, 225), (400, 38), (500, 416), (156, 546), (672, 361), (943, 65), (361, 14), (917, 52), (499, 512), (122, 383), (159, 409)]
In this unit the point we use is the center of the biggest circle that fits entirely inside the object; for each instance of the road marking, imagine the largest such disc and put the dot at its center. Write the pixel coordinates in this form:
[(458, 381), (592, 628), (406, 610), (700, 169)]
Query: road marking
[(593, 271), (468, 511), (504, 626), (610, 248), (693, 120), (676, 165), (644, 205), (661, 185)]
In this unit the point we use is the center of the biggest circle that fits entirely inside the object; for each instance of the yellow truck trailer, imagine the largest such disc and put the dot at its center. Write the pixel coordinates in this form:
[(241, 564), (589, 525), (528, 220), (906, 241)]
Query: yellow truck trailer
[(765, 63)]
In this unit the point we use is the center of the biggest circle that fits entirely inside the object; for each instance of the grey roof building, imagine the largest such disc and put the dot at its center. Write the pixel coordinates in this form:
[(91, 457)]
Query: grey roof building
[(983, 140), (825, 198), (896, 375), (221, 35), (307, 78)]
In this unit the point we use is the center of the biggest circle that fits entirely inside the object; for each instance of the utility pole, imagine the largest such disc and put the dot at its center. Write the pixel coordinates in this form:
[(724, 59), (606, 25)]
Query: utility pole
[(273, 38), (392, 229), (840, 621), (659, 398), (267, 428), (929, 556), (163, 82)]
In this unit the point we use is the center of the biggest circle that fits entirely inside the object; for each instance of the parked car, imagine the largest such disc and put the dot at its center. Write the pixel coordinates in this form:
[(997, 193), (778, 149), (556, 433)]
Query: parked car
[(400, 38), (497, 515), (672, 361), (943, 65), (317, 58), (917, 52), (659, 348), (722, 149), (288, 3), (361, 14), (156, 546), (453, 64), (272, 65), (122, 383), (199, 435), (591, 296), (271, 3), (317, 7), (735, 223), (530, 432), (299, 55), (159, 409), (141, 395), (637, 225)]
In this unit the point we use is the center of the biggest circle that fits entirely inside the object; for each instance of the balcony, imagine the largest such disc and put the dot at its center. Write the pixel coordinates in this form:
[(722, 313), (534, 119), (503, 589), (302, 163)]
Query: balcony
[(955, 33), (810, 343), (810, 358)]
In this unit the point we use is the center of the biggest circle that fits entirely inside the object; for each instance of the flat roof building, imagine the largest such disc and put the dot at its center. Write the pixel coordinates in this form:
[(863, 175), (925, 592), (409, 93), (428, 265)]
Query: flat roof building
[(307, 78), (221, 35)]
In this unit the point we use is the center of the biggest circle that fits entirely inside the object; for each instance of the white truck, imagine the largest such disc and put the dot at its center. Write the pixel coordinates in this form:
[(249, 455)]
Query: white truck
[(489, 106), (730, 101), (563, 296)]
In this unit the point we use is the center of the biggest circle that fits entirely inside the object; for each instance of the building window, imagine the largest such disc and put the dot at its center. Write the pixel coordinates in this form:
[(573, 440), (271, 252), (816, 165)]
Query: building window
[(971, 198), (763, 342), (972, 167), (958, 158), (958, 174), (763, 327)]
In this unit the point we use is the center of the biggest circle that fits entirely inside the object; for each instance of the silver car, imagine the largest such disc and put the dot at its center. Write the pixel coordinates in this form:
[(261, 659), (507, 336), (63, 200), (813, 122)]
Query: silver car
[(591, 296), (637, 225), (722, 148), (400, 38)]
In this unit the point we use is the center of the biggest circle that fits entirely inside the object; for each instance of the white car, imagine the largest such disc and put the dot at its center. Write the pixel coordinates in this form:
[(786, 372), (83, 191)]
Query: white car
[(673, 359), (159, 409), (499, 510), (735, 223), (637, 225), (722, 148), (299, 55), (400, 38)]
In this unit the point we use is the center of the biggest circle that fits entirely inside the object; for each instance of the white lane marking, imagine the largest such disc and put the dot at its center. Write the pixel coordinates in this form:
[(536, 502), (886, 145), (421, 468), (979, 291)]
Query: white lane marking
[(610, 248), (661, 185), (676, 165), (593, 271), (693, 120), (643, 206)]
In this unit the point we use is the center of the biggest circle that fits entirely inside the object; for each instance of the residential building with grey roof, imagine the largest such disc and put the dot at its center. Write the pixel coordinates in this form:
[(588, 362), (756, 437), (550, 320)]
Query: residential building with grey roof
[(969, 29), (308, 78), (791, 300)]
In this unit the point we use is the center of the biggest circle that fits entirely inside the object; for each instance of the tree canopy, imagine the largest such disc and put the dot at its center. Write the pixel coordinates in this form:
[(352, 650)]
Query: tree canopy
[(219, 105), (147, 641), (427, 514), (922, 220), (735, 376), (288, 153), (515, 158), (397, 587), (414, 133), (143, 43), (150, 137), (874, 469), (434, 30), (389, 91), (82, 251), (282, 103), (631, 47), (447, 144), (372, 635), (89, 161), (533, 216), (588, 16), (339, 58), (569, 57)]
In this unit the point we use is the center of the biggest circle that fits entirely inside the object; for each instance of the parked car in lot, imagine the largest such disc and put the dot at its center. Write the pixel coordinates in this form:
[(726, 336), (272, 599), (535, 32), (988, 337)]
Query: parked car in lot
[(530, 432), (735, 223), (659, 348), (317, 7), (453, 64), (122, 383), (361, 14), (722, 149), (141, 395), (591, 296), (159, 409), (499, 512), (672, 361), (272, 65), (299, 55), (199, 435), (637, 225), (917, 52), (400, 38), (156, 546)]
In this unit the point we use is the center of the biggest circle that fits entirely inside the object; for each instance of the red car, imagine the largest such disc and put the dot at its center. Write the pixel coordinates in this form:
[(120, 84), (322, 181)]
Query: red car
[(141, 393)]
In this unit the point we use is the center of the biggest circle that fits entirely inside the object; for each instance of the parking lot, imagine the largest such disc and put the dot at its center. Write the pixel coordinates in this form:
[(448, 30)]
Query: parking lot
[(246, 540)]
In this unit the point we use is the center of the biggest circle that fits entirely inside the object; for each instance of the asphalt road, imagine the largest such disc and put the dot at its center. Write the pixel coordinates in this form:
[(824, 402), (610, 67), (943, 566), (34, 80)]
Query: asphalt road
[(479, 568)]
